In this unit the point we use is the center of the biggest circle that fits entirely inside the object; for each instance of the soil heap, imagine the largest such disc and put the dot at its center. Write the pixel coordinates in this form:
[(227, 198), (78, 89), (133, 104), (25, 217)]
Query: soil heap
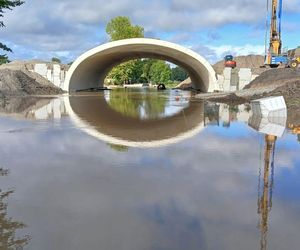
[(252, 61), (275, 78), (16, 79)]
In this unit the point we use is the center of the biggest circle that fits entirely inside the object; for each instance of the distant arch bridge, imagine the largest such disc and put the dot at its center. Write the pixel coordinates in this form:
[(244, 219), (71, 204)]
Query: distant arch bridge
[(90, 69)]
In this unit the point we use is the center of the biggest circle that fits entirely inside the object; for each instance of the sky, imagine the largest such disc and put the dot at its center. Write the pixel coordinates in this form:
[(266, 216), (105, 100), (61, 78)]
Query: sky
[(42, 29)]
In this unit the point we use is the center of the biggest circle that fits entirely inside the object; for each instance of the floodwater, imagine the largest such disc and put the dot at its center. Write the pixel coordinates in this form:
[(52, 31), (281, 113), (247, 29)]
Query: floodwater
[(137, 170)]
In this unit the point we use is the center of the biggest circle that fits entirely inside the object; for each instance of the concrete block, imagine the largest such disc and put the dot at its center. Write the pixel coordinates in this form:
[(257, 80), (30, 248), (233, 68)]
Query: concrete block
[(220, 78), (224, 113), (62, 75), (219, 83), (41, 114), (254, 77), (243, 115), (234, 78), (245, 74), (56, 75), (226, 85), (269, 107), (41, 69), (49, 108), (242, 84), (56, 109), (233, 88), (62, 107), (227, 73), (49, 75)]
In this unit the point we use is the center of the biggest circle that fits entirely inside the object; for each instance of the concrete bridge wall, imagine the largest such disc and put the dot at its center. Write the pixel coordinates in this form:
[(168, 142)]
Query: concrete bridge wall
[(91, 68)]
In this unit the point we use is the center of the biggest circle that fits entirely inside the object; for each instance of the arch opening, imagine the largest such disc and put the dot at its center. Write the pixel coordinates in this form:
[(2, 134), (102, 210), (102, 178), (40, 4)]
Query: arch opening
[(146, 72), (91, 68)]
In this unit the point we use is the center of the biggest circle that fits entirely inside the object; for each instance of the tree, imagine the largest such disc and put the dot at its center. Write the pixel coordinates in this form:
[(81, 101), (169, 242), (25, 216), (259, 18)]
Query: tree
[(179, 74), (160, 72), (147, 63), (121, 28), (6, 5), (55, 60), (122, 73)]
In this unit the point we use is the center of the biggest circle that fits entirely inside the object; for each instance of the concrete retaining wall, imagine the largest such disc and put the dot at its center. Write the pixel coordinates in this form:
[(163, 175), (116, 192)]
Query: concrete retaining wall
[(52, 72), (234, 79)]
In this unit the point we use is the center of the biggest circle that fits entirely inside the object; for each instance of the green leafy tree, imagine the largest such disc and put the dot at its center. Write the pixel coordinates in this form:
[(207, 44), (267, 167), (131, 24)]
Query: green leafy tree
[(147, 63), (55, 60), (160, 72), (6, 5), (179, 74), (122, 73), (121, 28), (118, 148)]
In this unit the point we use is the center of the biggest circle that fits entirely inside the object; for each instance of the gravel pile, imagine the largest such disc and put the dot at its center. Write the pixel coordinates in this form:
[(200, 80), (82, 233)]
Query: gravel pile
[(18, 82), (275, 78)]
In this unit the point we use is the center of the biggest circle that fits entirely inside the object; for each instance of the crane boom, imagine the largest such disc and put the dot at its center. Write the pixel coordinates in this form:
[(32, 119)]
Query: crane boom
[(274, 56), (275, 30)]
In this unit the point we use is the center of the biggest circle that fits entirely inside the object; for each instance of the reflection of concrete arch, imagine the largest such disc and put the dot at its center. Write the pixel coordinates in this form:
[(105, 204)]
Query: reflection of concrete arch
[(91, 68), (94, 116)]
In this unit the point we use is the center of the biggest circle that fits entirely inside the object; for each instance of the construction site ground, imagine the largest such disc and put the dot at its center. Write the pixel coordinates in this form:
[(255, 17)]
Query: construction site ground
[(276, 82)]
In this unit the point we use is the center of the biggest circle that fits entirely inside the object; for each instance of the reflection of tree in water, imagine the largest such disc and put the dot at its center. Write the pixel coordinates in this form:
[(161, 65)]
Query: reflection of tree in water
[(145, 104), (8, 227), (118, 148)]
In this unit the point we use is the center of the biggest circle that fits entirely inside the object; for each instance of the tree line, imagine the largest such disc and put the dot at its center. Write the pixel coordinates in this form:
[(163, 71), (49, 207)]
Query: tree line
[(145, 71)]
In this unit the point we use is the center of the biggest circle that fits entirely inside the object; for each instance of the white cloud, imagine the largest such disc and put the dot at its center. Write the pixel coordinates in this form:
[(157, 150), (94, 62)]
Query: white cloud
[(238, 50), (73, 25)]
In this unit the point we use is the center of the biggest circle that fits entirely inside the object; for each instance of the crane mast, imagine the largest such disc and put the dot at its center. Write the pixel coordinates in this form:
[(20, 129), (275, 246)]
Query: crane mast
[(275, 30), (275, 56)]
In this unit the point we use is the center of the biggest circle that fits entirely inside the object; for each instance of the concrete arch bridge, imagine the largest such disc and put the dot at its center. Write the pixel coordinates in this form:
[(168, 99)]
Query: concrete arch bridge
[(90, 69)]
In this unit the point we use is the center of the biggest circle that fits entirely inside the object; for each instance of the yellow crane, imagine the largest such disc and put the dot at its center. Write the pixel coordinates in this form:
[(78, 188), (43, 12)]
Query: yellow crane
[(274, 55), (275, 31), (295, 129)]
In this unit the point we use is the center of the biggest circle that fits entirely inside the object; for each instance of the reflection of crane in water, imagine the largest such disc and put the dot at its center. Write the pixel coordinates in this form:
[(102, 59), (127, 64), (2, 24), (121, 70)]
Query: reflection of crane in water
[(295, 130), (265, 198)]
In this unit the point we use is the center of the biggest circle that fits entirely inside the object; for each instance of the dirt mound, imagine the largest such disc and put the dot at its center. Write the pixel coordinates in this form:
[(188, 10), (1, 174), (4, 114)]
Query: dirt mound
[(275, 77), (252, 61), (17, 82), (27, 66)]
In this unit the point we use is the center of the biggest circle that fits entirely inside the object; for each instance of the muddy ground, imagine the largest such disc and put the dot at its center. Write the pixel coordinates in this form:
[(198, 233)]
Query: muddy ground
[(275, 82)]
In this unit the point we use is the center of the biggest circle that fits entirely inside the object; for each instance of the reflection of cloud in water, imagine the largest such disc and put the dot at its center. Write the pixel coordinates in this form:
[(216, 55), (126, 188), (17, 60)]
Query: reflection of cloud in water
[(90, 196)]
